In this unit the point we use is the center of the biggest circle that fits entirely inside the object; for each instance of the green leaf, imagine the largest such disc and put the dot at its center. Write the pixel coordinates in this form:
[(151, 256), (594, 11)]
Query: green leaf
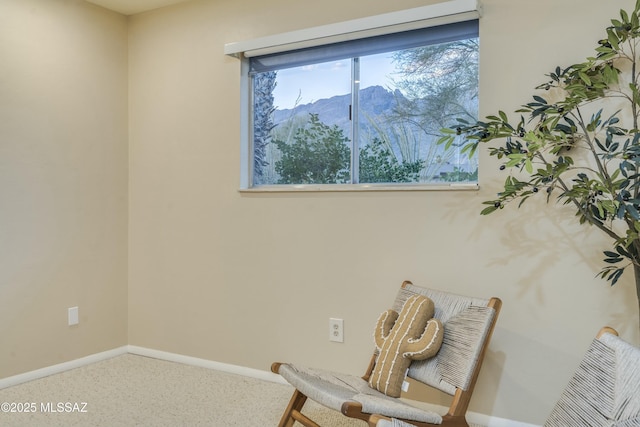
[(613, 39), (633, 212), (446, 140), (488, 210), (622, 251), (583, 76), (473, 149), (528, 166), (615, 276), (624, 15), (524, 199)]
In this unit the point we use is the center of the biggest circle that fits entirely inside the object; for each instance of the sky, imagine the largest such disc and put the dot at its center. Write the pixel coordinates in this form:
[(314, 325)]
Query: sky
[(321, 81)]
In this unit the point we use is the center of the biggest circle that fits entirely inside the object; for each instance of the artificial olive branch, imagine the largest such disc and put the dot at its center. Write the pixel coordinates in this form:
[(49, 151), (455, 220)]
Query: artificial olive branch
[(535, 151)]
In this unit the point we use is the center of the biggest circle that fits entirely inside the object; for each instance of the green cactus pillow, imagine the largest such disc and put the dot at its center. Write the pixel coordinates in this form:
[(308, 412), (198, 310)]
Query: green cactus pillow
[(413, 334)]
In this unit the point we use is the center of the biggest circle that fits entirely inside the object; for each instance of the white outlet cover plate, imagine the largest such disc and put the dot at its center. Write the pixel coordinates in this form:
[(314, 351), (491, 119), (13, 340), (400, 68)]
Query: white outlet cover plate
[(73, 316), (336, 330)]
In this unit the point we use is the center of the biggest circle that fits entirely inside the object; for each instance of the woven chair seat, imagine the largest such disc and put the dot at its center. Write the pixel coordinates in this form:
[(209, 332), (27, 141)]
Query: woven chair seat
[(393, 423), (333, 389)]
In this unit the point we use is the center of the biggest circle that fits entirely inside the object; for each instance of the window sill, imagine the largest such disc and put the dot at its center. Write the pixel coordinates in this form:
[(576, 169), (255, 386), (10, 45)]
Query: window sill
[(359, 188)]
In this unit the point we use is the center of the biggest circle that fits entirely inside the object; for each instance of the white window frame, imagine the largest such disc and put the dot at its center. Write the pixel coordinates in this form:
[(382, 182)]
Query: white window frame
[(448, 12)]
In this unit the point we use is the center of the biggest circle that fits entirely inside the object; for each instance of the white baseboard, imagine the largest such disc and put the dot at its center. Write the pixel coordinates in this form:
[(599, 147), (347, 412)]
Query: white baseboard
[(489, 421), (472, 417), (209, 364), (61, 367)]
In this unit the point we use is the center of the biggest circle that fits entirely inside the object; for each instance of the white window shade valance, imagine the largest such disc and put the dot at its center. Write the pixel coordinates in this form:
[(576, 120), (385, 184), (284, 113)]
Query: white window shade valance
[(410, 19)]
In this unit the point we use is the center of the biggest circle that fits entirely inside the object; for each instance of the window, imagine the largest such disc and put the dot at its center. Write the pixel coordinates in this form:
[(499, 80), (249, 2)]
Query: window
[(363, 113)]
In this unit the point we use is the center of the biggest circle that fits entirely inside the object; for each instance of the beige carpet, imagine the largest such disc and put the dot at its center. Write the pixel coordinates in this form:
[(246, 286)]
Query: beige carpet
[(132, 390)]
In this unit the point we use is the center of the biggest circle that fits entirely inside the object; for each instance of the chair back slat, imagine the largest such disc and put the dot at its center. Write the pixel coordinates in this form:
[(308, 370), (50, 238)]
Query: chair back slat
[(467, 323), (605, 388)]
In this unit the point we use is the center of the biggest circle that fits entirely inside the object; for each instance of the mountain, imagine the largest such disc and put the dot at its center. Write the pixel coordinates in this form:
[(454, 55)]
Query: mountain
[(375, 102)]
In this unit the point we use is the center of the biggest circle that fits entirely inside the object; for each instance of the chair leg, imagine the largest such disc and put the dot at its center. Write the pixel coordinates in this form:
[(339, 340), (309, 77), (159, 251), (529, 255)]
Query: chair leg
[(454, 421), (295, 404)]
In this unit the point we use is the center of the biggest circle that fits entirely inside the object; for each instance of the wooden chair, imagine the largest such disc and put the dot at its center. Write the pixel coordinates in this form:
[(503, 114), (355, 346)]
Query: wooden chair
[(605, 389), (468, 326)]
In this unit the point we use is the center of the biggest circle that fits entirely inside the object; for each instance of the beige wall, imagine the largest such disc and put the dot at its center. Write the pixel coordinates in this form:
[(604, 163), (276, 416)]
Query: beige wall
[(63, 181), (251, 279)]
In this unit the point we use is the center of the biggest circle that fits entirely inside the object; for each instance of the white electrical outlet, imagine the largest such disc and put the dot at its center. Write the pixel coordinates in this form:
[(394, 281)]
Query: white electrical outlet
[(73, 316), (336, 330)]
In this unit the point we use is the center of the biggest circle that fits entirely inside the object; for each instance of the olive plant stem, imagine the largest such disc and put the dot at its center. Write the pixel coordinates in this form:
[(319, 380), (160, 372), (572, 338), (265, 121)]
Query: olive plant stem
[(636, 273)]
